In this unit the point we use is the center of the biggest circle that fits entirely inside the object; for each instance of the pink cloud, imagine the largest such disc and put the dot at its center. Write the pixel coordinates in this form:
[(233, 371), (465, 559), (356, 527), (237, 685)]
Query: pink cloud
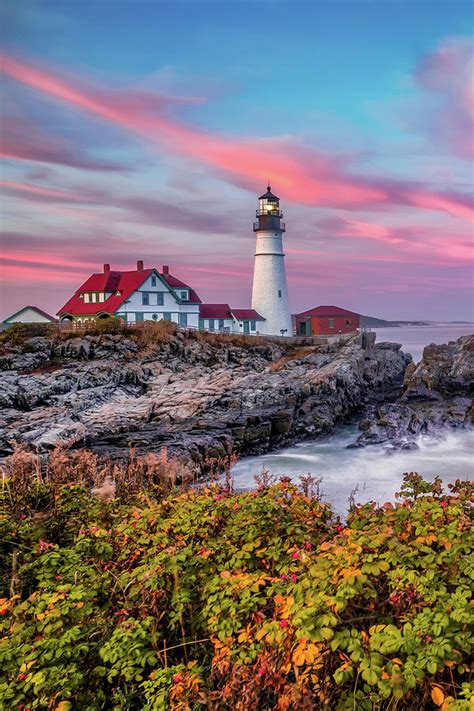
[(305, 175), (37, 191), (136, 209), (447, 203), (446, 75), (22, 140)]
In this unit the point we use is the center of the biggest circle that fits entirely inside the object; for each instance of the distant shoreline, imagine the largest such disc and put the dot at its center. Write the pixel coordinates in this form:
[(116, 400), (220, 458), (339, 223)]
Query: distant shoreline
[(368, 321)]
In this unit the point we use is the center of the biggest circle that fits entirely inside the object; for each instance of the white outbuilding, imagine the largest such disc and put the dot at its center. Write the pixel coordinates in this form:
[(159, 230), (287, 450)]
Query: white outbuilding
[(29, 314)]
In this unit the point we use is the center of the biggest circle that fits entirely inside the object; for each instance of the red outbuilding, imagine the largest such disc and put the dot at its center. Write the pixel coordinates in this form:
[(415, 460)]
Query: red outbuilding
[(326, 321)]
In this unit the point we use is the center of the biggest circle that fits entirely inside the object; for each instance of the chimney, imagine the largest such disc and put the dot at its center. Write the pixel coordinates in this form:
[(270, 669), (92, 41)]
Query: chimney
[(140, 265), (106, 268), (166, 270)]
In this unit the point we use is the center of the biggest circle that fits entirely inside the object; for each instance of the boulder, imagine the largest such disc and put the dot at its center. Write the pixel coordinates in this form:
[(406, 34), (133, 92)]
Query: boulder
[(201, 399)]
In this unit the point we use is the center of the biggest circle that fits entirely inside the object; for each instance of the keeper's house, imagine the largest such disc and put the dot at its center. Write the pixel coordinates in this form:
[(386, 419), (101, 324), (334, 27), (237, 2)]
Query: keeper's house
[(151, 295), (326, 321), (134, 296)]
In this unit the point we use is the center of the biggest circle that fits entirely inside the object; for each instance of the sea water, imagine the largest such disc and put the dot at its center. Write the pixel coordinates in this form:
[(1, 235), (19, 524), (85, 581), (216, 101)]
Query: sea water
[(371, 473), (415, 338), (374, 473)]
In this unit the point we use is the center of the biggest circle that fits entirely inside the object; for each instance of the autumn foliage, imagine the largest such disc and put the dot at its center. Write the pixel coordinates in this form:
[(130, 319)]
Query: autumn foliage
[(160, 598)]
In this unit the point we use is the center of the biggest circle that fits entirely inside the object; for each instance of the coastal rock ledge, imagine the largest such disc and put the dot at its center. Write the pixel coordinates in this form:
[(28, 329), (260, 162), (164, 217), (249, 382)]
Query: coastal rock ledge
[(437, 394), (202, 398)]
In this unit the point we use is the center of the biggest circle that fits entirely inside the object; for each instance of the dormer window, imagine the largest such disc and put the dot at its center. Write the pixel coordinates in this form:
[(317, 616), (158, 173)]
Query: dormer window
[(184, 295)]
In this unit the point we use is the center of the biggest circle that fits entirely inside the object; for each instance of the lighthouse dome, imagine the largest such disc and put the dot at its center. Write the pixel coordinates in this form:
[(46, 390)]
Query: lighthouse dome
[(268, 194)]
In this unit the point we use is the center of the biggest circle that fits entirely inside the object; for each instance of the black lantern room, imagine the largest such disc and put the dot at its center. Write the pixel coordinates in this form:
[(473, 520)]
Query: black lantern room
[(269, 213)]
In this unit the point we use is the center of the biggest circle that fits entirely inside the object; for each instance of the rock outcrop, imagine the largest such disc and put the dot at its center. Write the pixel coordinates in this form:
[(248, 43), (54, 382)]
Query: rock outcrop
[(199, 399), (436, 394)]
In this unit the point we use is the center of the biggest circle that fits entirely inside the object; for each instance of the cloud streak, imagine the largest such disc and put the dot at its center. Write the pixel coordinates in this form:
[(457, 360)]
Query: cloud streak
[(446, 76), (21, 140), (305, 175)]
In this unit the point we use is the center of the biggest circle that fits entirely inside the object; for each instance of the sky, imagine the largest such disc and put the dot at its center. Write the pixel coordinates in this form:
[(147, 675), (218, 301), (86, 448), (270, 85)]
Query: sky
[(147, 129)]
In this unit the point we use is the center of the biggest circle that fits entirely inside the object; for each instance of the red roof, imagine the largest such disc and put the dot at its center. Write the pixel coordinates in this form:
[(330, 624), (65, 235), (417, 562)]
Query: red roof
[(247, 315), (328, 312), (125, 282), (215, 311), (178, 284)]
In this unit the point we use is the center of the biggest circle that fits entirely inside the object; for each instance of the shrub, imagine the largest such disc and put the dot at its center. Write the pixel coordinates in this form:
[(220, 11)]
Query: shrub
[(209, 598), (18, 333)]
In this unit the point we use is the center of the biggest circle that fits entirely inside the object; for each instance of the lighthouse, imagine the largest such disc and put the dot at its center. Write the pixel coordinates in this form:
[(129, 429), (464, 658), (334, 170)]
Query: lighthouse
[(270, 291)]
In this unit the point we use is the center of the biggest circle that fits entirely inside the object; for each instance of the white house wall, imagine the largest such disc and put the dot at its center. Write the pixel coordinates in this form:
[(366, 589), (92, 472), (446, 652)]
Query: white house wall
[(134, 305), (28, 316)]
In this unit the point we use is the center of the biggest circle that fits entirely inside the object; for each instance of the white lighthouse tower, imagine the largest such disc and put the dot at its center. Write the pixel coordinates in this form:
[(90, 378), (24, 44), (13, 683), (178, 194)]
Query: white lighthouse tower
[(270, 291)]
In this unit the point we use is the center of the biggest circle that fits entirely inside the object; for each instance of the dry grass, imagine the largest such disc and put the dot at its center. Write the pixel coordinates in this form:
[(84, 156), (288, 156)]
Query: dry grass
[(25, 473), (218, 339), (157, 473), (294, 354), (146, 334)]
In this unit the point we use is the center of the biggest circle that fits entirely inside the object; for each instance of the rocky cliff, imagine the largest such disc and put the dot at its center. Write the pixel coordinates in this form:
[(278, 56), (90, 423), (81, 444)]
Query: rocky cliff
[(199, 398), (436, 394)]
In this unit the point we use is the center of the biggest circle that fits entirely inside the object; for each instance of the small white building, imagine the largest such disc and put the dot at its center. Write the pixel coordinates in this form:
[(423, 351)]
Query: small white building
[(29, 314), (222, 318), (135, 296)]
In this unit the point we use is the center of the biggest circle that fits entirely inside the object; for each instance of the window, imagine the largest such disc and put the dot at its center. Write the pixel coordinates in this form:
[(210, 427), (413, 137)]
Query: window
[(211, 324), (183, 295), (331, 323), (145, 298), (221, 324), (253, 325), (138, 317), (183, 319), (160, 298), (279, 293), (102, 296), (167, 316), (154, 317), (348, 322), (153, 281), (86, 298), (94, 298)]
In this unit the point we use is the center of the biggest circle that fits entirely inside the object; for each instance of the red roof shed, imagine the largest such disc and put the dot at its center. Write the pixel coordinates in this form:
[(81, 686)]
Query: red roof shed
[(326, 321)]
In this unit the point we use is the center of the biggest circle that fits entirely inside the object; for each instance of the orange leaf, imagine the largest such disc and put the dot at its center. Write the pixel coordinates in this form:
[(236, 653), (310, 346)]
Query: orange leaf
[(437, 695)]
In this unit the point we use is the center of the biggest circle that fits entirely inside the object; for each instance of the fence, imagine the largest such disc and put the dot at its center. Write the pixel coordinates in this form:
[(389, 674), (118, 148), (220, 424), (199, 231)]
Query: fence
[(117, 326)]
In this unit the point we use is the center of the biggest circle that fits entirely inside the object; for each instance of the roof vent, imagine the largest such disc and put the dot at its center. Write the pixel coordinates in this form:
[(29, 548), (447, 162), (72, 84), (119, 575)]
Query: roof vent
[(166, 269), (140, 265), (106, 268)]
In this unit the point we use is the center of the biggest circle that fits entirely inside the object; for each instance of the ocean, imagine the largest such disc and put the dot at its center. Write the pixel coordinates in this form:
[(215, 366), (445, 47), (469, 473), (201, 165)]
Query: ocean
[(374, 473), (415, 338)]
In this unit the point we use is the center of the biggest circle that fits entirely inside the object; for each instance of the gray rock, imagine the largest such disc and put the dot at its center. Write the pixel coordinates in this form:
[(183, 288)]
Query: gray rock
[(201, 401), (437, 393)]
